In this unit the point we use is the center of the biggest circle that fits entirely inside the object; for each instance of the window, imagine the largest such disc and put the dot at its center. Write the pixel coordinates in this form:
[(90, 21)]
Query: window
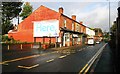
[(67, 37), (79, 38), (64, 22), (77, 27)]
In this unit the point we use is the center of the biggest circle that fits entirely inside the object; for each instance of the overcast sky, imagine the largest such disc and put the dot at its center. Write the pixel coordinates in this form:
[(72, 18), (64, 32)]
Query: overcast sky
[(93, 13)]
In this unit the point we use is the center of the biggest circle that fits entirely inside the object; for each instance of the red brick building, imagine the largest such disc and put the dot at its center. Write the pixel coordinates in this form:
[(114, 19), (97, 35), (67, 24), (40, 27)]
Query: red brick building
[(70, 32)]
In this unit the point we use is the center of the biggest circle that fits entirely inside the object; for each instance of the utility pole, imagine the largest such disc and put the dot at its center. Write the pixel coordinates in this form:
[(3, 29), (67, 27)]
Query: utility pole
[(109, 19), (18, 18)]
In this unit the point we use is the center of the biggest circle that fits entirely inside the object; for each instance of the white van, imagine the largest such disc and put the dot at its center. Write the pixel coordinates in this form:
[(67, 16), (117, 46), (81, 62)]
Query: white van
[(90, 41)]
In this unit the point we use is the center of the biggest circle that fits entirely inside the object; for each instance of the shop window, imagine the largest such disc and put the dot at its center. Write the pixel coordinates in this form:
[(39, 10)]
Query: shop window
[(67, 37)]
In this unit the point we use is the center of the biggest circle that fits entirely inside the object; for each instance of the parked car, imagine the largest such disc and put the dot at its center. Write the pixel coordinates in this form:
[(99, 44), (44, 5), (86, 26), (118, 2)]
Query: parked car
[(97, 42), (91, 41)]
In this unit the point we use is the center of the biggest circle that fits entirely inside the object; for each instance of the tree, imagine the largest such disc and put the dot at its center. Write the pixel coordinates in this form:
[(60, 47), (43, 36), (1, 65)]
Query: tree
[(97, 31), (9, 10), (6, 27), (27, 10), (114, 27)]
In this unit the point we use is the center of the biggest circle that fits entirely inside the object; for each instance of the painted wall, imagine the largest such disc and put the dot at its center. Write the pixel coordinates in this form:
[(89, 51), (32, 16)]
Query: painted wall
[(90, 32), (25, 28)]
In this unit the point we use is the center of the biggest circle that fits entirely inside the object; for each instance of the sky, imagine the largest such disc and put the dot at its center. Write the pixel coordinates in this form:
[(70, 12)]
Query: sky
[(93, 13)]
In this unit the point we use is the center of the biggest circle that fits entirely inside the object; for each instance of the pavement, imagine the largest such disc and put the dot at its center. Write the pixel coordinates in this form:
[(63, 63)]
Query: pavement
[(11, 54), (105, 63)]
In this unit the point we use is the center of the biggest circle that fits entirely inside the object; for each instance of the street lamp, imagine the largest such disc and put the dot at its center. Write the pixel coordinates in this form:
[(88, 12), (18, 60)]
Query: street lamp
[(109, 19)]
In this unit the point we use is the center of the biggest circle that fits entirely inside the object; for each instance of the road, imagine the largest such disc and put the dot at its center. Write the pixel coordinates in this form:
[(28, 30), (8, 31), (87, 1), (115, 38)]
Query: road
[(50, 61)]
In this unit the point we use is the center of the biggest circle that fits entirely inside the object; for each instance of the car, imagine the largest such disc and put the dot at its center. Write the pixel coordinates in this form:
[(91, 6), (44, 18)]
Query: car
[(97, 42), (90, 41)]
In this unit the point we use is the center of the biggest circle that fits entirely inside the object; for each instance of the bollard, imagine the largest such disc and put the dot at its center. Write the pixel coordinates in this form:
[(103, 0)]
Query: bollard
[(39, 44), (21, 46), (60, 45), (8, 47), (31, 45)]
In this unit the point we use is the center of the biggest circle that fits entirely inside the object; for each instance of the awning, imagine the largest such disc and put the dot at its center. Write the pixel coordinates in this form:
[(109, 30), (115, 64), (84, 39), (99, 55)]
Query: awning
[(68, 30), (75, 35)]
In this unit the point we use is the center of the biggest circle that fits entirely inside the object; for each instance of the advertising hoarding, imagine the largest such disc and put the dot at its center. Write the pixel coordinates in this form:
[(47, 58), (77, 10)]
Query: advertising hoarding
[(49, 28)]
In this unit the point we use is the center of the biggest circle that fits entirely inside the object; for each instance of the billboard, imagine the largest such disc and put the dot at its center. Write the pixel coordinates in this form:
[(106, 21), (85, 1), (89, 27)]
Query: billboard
[(49, 28)]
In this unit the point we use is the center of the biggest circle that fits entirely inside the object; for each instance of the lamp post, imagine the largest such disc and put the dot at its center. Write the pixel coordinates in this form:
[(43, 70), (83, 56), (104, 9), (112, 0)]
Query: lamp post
[(109, 19)]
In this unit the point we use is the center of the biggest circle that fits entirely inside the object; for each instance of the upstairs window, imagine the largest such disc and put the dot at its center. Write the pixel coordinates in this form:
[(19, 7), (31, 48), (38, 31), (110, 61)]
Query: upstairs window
[(77, 27), (64, 22), (72, 26)]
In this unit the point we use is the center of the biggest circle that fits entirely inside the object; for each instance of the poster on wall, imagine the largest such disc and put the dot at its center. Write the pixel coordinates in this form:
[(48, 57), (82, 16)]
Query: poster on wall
[(49, 28)]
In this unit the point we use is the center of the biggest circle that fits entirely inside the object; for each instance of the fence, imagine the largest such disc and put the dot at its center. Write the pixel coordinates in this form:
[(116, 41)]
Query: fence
[(20, 46), (26, 46)]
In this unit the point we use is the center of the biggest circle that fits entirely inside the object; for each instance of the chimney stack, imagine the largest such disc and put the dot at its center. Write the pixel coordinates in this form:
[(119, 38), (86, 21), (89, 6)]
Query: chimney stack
[(74, 17), (61, 10), (81, 22)]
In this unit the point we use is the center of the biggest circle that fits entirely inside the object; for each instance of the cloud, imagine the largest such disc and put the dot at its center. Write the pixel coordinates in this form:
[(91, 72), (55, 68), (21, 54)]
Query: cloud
[(69, 0), (93, 14), (98, 16)]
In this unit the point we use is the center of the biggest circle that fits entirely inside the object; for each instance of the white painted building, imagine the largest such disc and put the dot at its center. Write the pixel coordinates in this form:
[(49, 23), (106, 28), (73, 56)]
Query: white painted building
[(90, 32)]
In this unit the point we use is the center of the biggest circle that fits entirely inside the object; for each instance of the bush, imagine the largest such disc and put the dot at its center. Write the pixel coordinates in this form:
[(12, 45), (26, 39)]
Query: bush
[(5, 38)]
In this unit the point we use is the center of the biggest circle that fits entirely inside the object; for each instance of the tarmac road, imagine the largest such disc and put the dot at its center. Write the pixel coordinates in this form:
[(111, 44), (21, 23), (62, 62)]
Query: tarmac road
[(51, 61)]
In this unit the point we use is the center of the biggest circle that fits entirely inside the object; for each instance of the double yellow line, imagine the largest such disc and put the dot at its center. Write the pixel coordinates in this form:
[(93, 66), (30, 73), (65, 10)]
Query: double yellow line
[(85, 69)]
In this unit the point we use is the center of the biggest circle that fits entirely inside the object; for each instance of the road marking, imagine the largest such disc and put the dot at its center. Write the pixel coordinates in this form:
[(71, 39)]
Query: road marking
[(73, 52), (62, 56), (68, 54), (80, 50), (50, 60), (23, 58), (1, 62), (4, 63), (43, 54), (54, 52), (23, 67), (28, 67), (18, 59), (83, 68), (91, 61)]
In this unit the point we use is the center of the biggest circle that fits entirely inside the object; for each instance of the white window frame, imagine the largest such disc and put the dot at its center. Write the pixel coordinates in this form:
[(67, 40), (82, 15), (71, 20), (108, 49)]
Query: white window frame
[(72, 26), (65, 22)]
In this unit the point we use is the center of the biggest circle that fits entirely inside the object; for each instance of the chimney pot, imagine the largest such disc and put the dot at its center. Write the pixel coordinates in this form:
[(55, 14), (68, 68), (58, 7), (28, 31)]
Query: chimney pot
[(81, 22), (61, 10), (74, 17)]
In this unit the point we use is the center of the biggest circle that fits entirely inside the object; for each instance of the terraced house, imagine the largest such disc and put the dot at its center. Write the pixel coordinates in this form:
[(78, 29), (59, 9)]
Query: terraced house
[(48, 26)]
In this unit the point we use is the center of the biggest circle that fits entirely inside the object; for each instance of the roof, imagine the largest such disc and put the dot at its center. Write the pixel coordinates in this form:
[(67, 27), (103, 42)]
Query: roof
[(68, 30), (73, 20)]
